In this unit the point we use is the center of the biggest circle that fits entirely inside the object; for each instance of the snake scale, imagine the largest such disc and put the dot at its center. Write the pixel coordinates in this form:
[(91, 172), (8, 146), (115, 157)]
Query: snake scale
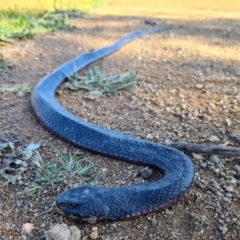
[(91, 203)]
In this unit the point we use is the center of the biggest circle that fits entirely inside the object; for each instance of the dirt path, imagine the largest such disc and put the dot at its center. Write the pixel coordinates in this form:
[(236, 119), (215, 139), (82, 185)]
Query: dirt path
[(190, 92)]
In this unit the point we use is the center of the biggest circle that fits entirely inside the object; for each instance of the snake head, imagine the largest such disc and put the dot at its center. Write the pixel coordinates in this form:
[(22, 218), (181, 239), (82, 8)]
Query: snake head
[(84, 203)]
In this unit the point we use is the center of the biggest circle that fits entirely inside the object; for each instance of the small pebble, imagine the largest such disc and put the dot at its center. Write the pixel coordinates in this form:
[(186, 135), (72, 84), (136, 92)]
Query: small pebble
[(213, 139), (146, 172), (27, 228), (228, 122), (225, 199), (224, 230), (234, 181), (199, 86), (94, 233), (203, 164), (197, 156), (214, 159), (230, 189)]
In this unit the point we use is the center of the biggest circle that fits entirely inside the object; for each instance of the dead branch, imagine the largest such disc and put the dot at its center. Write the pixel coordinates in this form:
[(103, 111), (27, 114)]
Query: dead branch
[(204, 148)]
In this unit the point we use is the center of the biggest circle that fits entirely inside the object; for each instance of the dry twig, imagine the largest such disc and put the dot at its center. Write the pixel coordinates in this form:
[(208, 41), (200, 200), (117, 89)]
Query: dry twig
[(204, 148)]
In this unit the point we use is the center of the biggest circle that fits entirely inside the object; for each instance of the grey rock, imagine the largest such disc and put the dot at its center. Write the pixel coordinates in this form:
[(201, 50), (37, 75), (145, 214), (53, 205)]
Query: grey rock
[(213, 139), (146, 172), (214, 159), (230, 188), (225, 199), (75, 233), (58, 232), (203, 164)]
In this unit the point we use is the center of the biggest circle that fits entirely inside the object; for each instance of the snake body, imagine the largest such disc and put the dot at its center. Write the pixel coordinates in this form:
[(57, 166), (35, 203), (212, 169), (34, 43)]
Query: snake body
[(93, 203)]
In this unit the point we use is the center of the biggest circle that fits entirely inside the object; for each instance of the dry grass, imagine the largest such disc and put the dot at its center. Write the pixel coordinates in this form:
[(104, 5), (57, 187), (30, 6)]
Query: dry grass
[(177, 9)]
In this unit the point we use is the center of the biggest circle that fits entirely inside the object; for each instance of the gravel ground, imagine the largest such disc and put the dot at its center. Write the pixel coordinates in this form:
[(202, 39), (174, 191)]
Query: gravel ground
[(189, 92)]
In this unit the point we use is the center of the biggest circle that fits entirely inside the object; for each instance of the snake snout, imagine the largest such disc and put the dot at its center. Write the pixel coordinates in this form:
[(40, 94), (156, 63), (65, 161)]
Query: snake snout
[(84, 203), (77, 201)]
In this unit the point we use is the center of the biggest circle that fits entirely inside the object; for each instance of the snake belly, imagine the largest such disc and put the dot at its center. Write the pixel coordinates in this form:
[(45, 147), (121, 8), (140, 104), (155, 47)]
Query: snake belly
[(93, 203)]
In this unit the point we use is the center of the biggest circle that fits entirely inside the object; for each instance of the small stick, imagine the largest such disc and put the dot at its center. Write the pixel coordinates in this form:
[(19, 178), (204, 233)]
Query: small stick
[(204, 148)]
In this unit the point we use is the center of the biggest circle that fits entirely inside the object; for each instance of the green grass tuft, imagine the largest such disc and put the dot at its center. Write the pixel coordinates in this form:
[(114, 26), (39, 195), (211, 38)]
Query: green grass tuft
[(22, 19), (58, 171), (15, 25), (98, 83), (19, 89)]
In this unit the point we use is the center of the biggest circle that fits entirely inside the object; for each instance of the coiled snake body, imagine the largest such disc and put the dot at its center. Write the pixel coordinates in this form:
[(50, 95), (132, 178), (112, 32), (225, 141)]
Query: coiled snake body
[(92, 203)]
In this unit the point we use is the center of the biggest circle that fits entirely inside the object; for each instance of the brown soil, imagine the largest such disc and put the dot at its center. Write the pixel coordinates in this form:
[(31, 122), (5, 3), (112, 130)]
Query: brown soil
[(190, 92)]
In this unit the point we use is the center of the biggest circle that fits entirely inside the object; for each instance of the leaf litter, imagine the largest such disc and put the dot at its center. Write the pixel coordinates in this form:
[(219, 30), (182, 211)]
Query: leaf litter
[(14, 164)]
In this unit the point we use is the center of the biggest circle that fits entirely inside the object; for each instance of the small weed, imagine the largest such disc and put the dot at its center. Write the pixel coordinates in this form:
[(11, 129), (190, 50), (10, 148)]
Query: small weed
[(58, 171), (21, 19), (95, 179), (15, 25), (69, 168), (18, 89), (98, 83)]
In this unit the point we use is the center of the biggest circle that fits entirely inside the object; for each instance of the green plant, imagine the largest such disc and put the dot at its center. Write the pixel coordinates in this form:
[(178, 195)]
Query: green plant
[(18, 89), (22, 19), (58, 171), (98, 83), (16, 25)]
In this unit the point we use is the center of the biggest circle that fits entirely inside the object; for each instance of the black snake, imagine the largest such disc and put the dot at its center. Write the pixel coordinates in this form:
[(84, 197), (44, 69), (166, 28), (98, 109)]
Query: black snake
[(92, 203)]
